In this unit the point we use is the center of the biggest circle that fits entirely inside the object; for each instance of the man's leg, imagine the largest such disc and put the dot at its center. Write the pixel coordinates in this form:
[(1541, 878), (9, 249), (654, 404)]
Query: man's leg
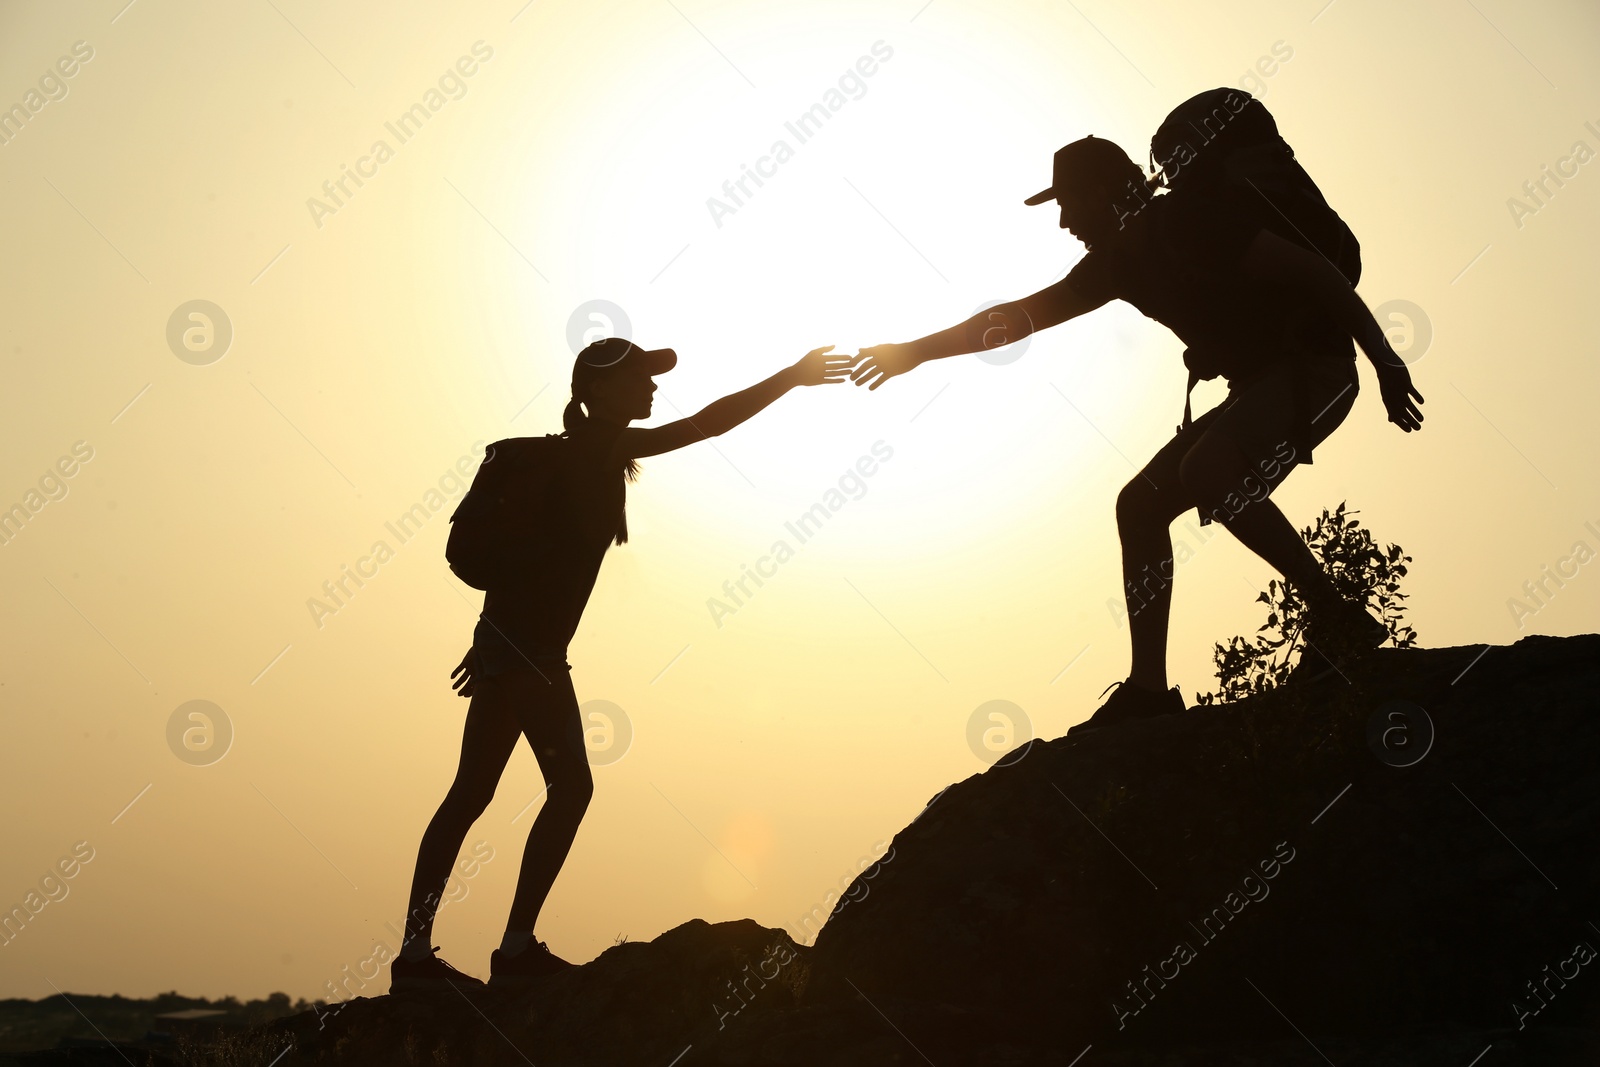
[(1246, 454), (1227, 488), (1145, 510)]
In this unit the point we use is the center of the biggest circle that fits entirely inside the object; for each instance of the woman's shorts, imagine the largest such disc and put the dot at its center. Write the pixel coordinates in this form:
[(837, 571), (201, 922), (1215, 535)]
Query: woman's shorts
[(508, 644)]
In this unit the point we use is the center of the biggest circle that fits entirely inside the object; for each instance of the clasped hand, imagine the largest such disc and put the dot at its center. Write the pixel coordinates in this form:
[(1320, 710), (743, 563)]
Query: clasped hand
[(879, 363)]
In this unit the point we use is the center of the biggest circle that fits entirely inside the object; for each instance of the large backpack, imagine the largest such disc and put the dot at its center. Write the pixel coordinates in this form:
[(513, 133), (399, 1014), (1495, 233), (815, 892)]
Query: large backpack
[(497, 526), (1225, 138)]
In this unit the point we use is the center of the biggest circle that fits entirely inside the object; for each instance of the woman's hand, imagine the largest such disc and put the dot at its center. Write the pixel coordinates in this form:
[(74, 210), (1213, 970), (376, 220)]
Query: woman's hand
[(816, 367), (879, 363), (1400, 397), (469, 665)]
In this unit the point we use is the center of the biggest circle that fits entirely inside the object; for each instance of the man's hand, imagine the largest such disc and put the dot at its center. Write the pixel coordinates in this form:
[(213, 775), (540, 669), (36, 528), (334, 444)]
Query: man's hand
[(463, 684), (1399, 395), (817, 367), (879, 363)]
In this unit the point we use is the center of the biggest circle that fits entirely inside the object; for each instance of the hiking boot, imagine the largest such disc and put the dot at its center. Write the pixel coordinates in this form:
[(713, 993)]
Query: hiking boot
[(535, 961), (1131, 702), (427, 975), (1336, 638)]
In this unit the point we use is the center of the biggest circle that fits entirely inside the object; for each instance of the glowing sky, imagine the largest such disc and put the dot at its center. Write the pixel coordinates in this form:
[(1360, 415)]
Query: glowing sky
[(571, 152)]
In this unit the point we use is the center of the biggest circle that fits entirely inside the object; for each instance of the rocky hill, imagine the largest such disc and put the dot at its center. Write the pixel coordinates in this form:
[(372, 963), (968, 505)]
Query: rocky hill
[(1394, 867)]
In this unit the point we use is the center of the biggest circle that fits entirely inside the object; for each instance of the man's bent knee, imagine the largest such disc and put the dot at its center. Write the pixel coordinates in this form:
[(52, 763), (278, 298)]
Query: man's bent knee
[(1139, 507), (1142, 509)]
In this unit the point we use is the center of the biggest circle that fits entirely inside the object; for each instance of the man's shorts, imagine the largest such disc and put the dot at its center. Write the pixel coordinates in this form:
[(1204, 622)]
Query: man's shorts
[(1285, 413)]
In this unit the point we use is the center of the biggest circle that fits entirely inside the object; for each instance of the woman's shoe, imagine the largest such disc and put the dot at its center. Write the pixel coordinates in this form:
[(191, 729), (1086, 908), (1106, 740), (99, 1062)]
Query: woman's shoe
[(427, 975), (1131, 702), (535, 961)]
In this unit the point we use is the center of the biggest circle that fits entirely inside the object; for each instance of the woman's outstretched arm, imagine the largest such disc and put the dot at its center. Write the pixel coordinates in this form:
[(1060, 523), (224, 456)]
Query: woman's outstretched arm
[(814, 368), (988, 329)]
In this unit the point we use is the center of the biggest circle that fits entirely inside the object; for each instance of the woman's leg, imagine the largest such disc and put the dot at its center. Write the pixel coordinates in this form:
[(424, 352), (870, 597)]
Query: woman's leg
[(490, 733), (547, 710)]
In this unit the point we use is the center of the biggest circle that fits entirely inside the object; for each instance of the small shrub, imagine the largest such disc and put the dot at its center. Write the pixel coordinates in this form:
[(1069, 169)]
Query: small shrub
[(1359, 570)]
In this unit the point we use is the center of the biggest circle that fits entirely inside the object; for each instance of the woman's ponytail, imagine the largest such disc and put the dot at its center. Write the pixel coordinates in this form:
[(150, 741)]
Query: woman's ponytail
[(573, 417)]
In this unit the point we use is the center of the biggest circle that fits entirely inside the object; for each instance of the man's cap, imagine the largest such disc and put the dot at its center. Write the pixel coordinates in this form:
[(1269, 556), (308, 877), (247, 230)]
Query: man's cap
[(1090, 159), (619, 353)]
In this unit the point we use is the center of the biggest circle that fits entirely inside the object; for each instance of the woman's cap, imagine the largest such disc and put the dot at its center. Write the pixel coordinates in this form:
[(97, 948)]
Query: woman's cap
[(619, 353), (1092, 159)]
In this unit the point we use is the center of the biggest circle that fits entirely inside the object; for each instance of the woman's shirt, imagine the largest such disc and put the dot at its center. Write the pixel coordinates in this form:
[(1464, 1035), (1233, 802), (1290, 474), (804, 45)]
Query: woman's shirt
[(578, 513)]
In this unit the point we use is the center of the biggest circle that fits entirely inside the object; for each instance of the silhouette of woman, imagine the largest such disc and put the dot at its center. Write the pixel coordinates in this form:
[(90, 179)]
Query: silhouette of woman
[(1254, 303), (516, 672)]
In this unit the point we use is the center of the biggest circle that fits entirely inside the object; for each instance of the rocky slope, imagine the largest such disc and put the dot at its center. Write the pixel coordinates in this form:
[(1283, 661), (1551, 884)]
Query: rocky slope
[(1397, 867), (1301, 863)]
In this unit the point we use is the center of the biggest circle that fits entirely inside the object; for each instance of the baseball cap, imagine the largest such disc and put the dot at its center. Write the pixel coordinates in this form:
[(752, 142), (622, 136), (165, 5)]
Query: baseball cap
[(1091, 158), (619, 353)]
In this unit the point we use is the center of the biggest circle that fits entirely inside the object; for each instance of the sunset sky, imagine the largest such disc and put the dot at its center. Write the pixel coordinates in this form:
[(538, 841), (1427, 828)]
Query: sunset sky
[(183, 505)]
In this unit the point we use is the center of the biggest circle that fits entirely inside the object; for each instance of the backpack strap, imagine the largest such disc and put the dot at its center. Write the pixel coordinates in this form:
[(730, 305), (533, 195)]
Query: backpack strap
[(1188, 421)]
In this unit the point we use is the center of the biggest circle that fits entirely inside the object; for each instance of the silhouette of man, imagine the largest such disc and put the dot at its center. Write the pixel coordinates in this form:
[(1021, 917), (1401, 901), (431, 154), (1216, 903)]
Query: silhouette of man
[(1218, 272)]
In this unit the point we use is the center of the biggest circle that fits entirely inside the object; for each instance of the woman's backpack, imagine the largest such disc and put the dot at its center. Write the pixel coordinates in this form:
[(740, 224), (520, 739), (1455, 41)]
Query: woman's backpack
[(498, 524)]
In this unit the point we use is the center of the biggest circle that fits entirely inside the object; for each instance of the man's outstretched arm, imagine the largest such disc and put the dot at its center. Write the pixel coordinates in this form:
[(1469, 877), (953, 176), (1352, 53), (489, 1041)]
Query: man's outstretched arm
[(988, 329)]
